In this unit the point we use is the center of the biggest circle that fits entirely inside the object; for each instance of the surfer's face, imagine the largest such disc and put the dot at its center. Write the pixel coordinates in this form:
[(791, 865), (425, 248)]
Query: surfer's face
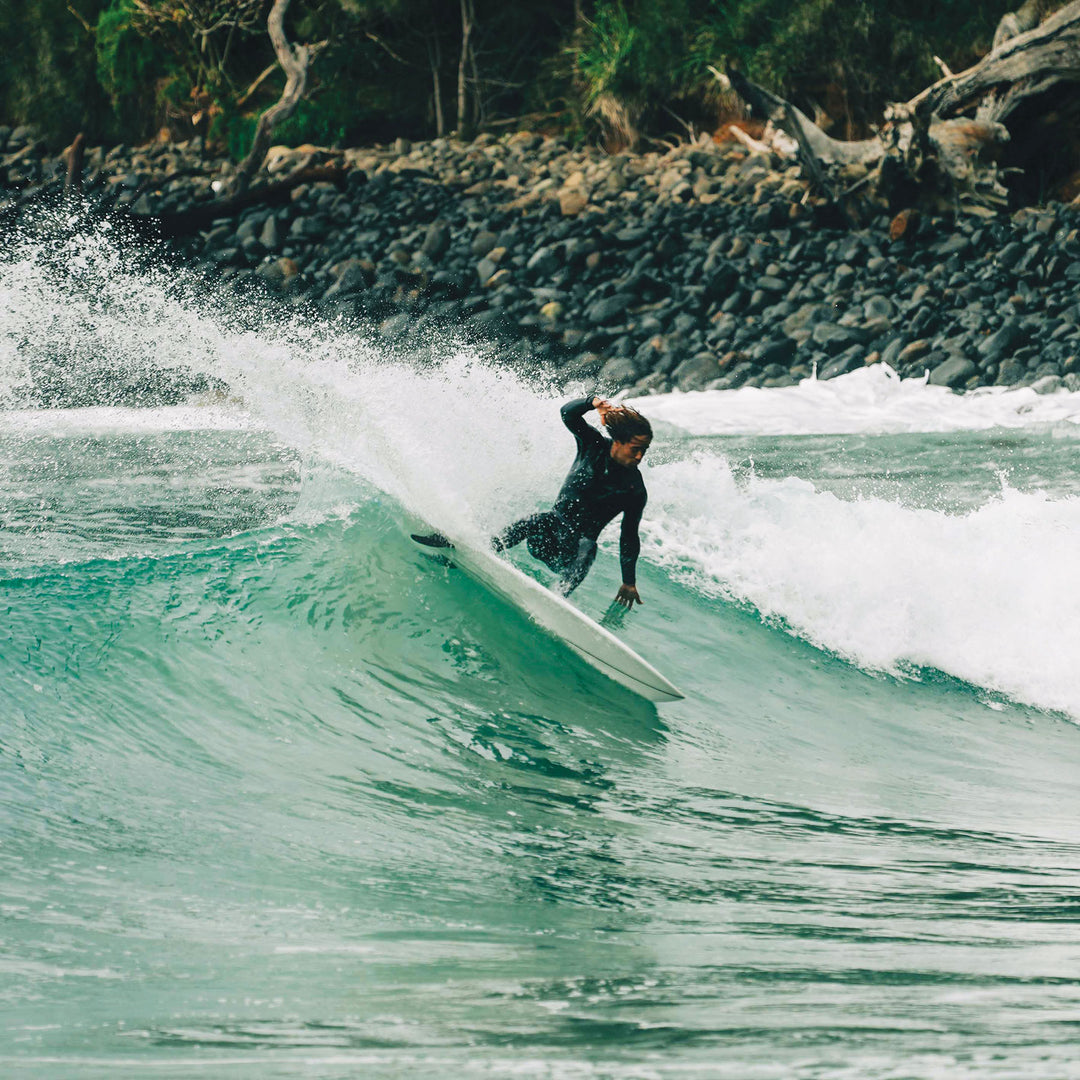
[(629, 454)]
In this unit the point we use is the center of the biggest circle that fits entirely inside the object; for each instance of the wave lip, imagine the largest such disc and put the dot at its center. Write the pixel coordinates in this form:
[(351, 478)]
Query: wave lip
[(986, 596)]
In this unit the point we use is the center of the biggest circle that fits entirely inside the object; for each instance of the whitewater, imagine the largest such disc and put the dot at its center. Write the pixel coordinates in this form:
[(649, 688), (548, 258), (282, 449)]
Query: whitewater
[(281, 795)]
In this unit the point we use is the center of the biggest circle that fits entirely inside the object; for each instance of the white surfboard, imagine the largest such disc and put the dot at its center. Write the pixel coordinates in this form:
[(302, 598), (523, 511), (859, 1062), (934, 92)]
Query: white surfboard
[(555, 614)]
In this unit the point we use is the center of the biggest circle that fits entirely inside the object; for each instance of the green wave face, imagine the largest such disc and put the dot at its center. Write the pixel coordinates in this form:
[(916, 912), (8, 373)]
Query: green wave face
[(281, 795)]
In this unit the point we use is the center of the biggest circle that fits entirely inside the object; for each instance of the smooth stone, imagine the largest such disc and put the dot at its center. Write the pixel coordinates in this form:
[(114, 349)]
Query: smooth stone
[(879, 307), (1000, 344), (1048, 384), (618, 372), (955, 370), (436, 240), (610, 308), (543, 261), (842, 364), (483, 242), (696, 371)]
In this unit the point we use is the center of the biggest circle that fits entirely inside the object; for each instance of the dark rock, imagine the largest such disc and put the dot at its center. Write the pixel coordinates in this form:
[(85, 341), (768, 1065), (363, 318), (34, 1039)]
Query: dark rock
[(1048, 384), (631, 237), (957, 244), (844, 277), (735, 378), (879, 307), (609, 309), (482, 243), (436, 240), (1000, 344), (772, 284), (618, 372), (696, 371), (543, 261), (249, 229), (1011, 254), (804, 318), (833, 338), (845, 362), (353, 276), (952, 372), (775, 352)]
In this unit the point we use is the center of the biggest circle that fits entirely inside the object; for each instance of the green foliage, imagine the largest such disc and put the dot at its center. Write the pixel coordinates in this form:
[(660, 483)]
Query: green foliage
[(853, 56), (638, 54), (47, 76), (236, 132), (849, 56), (129, 65), (123, 68)]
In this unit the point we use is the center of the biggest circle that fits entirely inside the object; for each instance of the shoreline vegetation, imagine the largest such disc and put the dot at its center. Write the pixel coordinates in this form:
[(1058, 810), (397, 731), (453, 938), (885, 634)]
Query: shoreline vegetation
[(708, 260)]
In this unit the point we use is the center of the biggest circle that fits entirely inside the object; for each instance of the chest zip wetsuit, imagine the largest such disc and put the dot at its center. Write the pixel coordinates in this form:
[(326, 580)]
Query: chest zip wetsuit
[(595, 490)]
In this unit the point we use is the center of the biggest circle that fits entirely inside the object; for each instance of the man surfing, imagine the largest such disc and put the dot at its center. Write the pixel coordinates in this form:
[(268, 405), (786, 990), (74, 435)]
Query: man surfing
[(603, 482)]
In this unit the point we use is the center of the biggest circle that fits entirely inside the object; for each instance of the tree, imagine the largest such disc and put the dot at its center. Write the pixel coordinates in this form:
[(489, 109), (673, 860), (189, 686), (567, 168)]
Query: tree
[(294, 60)]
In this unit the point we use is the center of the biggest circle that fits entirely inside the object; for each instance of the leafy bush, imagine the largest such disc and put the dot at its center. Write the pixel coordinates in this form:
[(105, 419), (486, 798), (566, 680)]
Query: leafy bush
[(48, 76), (850, 57)]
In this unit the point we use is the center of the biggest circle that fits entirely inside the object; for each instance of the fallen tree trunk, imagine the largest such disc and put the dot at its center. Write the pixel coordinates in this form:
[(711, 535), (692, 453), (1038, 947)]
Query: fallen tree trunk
[(948, 148), (186, 222)]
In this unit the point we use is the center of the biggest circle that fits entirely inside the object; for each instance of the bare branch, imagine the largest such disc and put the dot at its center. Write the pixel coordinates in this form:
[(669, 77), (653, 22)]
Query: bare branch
[(254, 87), (294, 60)]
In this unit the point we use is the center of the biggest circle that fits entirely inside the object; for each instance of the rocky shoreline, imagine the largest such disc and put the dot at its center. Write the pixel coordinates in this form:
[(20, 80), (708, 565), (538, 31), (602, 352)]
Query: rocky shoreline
[(705, 266)]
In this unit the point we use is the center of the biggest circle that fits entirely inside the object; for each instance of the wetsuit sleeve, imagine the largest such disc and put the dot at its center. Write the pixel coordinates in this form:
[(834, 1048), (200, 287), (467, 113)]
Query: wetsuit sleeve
[(573, 416), (630, 542)]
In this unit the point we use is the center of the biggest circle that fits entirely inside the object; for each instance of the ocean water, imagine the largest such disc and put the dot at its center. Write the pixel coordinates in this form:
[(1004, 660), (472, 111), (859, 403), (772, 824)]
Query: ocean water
[(283, 796)]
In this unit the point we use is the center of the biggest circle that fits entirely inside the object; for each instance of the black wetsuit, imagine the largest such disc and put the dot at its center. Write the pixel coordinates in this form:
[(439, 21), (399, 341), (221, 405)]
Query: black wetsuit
[(595, 490)]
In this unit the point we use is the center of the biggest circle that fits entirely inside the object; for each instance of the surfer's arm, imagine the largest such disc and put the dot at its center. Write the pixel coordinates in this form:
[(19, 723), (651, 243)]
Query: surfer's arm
[(629, 549), (573, 416)]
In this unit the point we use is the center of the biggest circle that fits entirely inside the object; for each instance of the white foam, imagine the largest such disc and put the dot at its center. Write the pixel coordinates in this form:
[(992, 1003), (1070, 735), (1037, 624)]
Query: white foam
[(991, 596), (869, 400), (117, 420)]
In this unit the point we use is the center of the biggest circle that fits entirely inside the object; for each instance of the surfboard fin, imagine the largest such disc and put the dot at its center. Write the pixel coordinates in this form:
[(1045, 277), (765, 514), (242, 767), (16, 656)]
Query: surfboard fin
[(433, 540)]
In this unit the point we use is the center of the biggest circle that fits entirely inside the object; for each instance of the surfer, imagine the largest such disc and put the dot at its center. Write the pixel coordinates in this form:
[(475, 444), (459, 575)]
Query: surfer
[(603, 482)]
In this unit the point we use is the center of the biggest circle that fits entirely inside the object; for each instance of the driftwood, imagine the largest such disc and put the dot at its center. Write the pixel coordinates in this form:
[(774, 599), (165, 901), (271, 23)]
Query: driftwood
[(955, 145), (186, 222)]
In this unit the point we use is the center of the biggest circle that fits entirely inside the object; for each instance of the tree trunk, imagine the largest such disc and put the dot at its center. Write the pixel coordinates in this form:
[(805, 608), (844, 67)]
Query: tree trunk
[(463, 131), (941, 148), (75, 154), (186, 222), (435, 60), (294, 60)]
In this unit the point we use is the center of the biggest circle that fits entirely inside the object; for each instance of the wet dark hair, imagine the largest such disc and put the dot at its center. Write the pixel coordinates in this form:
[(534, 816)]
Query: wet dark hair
[(624, 424)]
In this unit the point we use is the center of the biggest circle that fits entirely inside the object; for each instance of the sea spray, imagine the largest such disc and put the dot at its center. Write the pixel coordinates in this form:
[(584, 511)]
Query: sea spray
[(869, 400)]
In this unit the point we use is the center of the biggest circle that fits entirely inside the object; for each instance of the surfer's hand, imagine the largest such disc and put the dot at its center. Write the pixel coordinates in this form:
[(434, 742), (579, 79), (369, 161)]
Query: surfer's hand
[(602, 407), (628, 596)]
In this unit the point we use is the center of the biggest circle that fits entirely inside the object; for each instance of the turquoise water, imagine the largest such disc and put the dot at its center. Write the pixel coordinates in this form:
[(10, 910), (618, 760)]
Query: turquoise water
[(282, 796)]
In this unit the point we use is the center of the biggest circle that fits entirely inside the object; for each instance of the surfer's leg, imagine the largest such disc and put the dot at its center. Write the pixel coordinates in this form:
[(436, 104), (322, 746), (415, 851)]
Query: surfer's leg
[(547, 539), (574, 574), (512, 535)]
